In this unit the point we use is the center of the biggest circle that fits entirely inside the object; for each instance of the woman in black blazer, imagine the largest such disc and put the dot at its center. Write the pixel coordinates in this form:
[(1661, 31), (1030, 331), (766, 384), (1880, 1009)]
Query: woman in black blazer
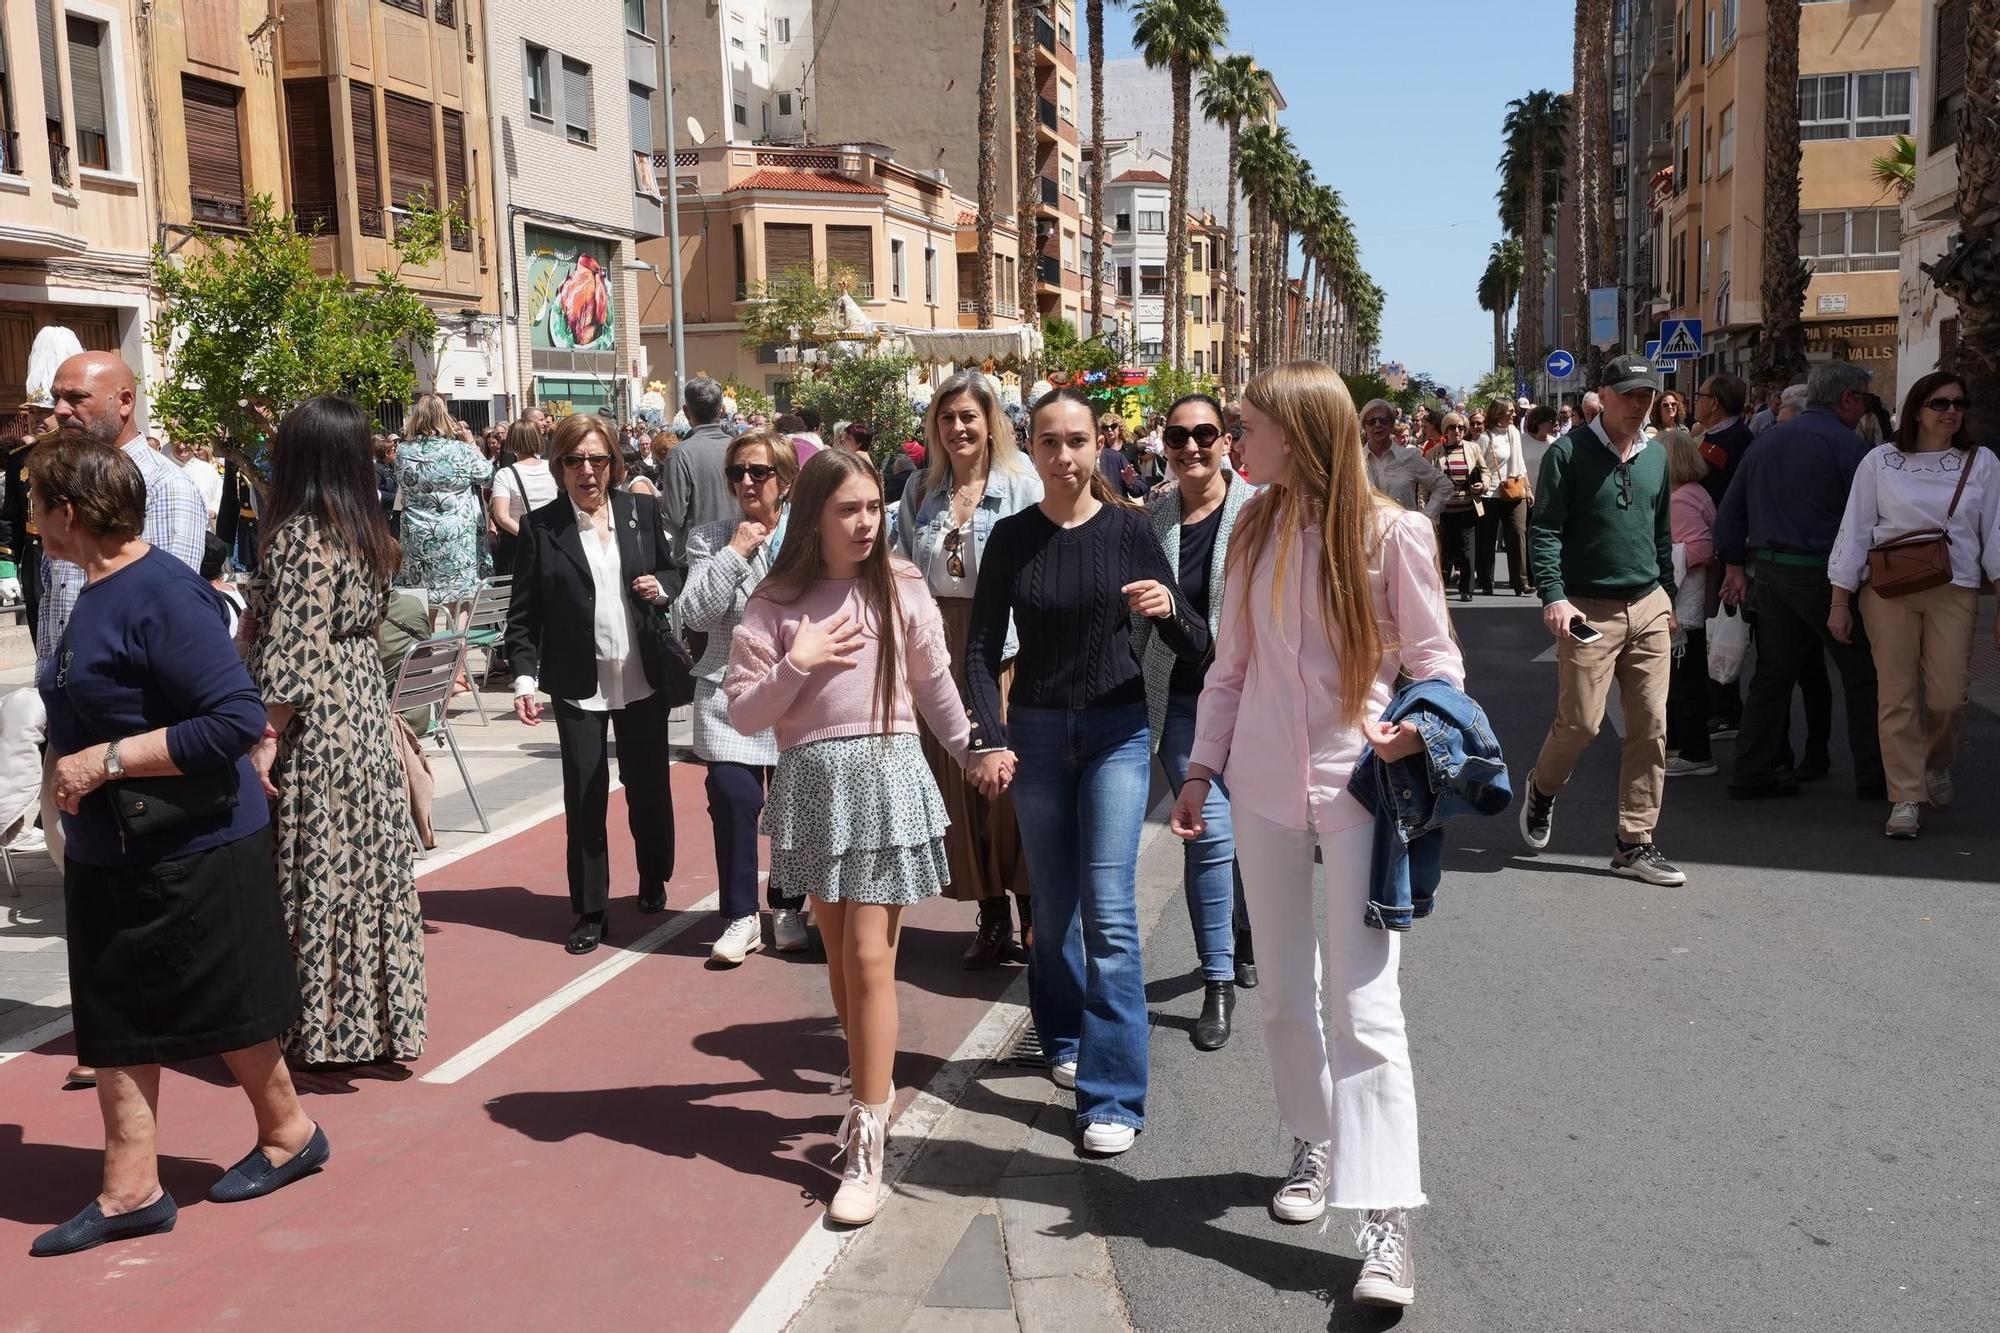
[(593, 573)]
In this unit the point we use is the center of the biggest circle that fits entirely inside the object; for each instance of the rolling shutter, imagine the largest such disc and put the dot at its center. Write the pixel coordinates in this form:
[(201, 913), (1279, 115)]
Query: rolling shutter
[(86, 92), (412, 150), (215, 152), (576, 100), (787, 245), (367, 160), (455, 193), (1951, 42), (853, 248), (45, 39), (309, 138)]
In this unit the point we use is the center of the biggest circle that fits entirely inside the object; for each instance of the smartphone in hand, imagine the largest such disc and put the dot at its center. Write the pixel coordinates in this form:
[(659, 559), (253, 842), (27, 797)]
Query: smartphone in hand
[(1580, 630)]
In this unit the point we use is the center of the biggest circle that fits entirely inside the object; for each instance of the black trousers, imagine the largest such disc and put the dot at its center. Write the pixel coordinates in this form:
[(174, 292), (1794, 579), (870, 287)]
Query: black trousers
[(641, 730), (1687, 700), (735, 799), (1461, 535), (1792, 602)]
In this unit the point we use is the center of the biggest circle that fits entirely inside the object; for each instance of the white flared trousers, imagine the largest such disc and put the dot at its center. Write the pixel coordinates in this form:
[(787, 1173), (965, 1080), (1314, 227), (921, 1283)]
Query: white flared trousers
[(1351, 1087)]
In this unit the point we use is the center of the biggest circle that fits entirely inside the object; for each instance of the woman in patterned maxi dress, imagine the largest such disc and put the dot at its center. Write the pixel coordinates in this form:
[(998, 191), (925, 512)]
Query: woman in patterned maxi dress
[(444, 521), (338, 810)]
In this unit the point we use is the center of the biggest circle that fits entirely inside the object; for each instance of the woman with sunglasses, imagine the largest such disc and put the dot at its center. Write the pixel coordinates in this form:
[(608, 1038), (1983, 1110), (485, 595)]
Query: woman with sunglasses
[(1193, 520), (1931, 477), (1505, 522), (975, 477), (1669, 413), (1463, 462), (591, 573)]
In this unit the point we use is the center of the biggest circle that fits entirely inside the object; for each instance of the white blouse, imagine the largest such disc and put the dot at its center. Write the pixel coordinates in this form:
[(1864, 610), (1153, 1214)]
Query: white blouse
[(1896, 493), (1504, 457), (621, 675)]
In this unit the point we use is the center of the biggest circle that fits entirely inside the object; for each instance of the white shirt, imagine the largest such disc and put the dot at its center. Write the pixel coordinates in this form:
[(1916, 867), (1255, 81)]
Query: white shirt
[(943, 582), (1504, 457), (1895, 494), (621, 674), (1532, 453), (535, 475), (208, 480)]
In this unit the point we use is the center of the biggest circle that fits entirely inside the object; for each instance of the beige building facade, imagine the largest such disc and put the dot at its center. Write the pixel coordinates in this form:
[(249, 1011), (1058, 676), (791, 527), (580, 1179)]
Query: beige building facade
[(1927, 330)]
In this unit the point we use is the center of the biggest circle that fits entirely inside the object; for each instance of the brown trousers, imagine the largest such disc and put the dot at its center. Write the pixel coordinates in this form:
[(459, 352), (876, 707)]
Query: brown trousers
[(1637, 652), (1923, 652)]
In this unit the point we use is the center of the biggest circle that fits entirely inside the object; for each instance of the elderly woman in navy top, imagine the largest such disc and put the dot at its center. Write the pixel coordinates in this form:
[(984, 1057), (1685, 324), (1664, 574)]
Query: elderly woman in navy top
[(177, 946)]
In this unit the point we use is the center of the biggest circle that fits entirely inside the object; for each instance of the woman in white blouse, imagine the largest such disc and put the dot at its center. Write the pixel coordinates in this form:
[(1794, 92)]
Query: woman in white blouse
[(1931, 476), (1506, 509)]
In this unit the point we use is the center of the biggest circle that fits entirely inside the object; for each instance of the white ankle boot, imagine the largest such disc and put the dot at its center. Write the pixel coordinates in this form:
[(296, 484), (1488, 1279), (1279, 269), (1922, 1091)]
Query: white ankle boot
[(862, 1136)]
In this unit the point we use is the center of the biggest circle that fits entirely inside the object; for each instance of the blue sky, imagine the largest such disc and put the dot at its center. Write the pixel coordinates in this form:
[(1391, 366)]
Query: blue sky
[(1398, 106)]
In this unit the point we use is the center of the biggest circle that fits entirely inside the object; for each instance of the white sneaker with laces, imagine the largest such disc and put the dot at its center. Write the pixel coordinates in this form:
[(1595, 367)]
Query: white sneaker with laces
[(788, 931), (1302, 1198), (743, 937), (1064, 1074), (1903, 822), (1107, 1139), (1937, 786), (862, 1135), (1387, 1276), (1678, 767)]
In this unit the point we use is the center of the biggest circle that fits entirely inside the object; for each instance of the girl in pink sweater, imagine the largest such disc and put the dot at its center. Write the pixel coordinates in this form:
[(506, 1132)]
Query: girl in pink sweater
[(837, 650)]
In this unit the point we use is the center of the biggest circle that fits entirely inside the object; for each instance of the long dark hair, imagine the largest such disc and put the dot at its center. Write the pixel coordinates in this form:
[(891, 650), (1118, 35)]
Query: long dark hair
[(799, 565), (1100, 485), (1910, 424), (323, 466)]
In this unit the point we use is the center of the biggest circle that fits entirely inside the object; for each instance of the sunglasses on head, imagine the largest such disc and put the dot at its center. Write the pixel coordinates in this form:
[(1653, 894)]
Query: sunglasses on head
[(1204, 436), (1943, 404), (575, 461), (757, 472)]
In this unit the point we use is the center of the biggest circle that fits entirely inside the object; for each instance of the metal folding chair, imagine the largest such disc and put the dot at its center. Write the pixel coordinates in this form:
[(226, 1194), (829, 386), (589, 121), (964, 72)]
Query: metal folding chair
[(425, 681), (486, 627)]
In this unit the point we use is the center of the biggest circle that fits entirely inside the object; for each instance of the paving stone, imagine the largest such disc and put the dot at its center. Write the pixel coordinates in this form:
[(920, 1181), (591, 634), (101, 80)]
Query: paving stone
[(1048, 1230), (1071, 1305), (975, 1277), (928, 1320)]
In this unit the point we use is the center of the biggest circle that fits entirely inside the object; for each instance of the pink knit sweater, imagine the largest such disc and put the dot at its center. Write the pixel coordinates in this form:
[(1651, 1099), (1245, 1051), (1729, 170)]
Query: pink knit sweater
[(766, 690)]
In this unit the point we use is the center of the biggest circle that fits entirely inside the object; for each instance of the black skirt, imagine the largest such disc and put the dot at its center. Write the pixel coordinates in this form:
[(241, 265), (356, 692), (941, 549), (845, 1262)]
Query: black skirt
[(182, 958)]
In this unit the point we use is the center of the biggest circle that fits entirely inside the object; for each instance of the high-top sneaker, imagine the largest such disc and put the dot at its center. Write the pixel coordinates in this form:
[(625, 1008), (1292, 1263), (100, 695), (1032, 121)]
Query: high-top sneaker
[(861, 1143), (1387, 1277)]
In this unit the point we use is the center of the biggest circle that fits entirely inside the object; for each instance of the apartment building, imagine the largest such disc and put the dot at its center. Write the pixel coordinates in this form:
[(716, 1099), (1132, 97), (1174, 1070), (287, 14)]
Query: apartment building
[(1858, 88), (1928, 324), (76, 219), (899, 242), (1137, 195)]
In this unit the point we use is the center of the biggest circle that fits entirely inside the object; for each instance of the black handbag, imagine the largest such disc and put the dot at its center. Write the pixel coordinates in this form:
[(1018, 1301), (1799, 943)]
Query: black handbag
[(150, 805), (676, 663)]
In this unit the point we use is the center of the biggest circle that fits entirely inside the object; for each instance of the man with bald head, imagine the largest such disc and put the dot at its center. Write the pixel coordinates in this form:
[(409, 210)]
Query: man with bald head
[(96, 398)]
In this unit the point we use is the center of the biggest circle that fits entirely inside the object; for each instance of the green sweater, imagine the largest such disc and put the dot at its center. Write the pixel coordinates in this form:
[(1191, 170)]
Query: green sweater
[(1583, 542)]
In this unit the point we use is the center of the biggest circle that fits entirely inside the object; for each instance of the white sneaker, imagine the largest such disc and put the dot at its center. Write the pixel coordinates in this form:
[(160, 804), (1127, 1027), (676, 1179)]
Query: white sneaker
[(1937, 785), (1107, 1139), (32, 839), (1690, 768), (1064, 1074), (744, 937), (788, 931), (1302, 1198), (1387, 1276), (1903, 822), (861, 1138)]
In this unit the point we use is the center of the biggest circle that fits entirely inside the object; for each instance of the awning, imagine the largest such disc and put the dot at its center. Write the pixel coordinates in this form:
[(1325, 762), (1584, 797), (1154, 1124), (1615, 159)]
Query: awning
[(972, 346)]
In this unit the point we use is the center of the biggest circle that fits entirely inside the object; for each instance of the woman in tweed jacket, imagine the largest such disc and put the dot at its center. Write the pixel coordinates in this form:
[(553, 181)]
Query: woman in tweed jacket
[(726, 562), (1193, 520)]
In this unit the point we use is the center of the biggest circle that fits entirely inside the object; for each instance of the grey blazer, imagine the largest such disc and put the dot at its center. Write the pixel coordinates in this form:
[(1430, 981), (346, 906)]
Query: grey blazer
[(1155, 658), (719, 584)]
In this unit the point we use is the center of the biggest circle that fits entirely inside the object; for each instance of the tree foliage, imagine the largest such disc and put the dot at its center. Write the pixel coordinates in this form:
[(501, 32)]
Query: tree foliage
[(1500, 382), (1168, 384), (797, 306), (1062, 350), (246, 326), (862, 386)]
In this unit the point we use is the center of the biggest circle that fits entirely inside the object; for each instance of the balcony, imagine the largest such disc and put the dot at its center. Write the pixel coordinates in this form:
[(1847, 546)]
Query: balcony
[(1048, 271), (1051, 195), (59, 171), (1045, 114), (861, 289), (446, 13), (1045, 34), (1001, 309)]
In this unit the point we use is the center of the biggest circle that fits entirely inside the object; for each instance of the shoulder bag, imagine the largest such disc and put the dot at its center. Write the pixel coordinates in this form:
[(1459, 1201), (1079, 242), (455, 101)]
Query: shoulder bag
[(1917, 561)]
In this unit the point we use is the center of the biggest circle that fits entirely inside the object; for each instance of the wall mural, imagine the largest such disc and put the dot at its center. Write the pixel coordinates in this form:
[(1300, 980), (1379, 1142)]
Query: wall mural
[(569, 292)]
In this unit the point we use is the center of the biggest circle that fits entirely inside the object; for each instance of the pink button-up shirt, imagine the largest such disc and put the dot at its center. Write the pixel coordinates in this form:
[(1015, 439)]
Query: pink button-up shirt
[(1273, 692)]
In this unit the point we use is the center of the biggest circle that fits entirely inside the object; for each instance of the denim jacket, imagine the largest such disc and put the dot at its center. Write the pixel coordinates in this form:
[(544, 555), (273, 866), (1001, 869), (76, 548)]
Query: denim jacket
[(1459, 771), (923, 516)]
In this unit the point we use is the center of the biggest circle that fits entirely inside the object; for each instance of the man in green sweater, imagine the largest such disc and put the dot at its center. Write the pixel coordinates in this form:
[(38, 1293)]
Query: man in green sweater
[(1601, 546)]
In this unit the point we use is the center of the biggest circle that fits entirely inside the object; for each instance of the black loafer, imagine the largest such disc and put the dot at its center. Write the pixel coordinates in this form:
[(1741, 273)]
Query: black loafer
[(589, 933), (1218, 1004), (254, 1176), (1246, 962), (91, 1228), (653, 901)]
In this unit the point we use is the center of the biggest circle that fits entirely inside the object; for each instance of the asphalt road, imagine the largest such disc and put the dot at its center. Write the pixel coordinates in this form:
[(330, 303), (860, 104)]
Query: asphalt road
[(1764, 1101)]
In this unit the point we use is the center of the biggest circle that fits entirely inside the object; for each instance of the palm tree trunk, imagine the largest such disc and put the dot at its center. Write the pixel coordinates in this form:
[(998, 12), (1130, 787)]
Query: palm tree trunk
[(1182, 74), (1094, 12), (1606, 182), (1585, 100), (1499, 334), (1532, 290), (1781, 351), (1255, 291), (1227, 373), (993, 40), (1026, 149), (1302, 336), (1975, 281)]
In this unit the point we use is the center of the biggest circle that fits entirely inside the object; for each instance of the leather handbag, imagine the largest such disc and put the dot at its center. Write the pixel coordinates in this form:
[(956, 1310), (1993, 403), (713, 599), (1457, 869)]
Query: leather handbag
[(1513, 488), (1917, 561), (150, 805), (676, 662)]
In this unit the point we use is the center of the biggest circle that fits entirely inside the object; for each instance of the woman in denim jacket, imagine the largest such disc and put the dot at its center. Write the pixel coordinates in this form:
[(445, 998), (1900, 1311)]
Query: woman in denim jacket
[(976, 477)]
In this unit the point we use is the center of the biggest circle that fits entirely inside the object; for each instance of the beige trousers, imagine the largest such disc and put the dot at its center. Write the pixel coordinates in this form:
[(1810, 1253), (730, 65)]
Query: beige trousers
[(1637, 652), (1923, 652)]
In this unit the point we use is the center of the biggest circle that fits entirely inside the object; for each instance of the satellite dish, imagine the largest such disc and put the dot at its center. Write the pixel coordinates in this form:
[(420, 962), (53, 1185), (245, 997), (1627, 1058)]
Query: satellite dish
[(695, 134)]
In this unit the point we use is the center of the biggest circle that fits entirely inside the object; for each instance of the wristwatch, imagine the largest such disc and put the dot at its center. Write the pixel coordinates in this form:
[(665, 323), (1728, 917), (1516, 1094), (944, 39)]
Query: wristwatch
[(113, 769)]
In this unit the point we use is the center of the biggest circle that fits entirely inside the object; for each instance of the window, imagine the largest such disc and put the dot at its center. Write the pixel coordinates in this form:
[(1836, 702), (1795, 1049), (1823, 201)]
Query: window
[(1861, 240), (1706, 254), (1948, 105), (1707, 149), (784, 104), (1725, 144), (1681, 175), (1154, 223), (215, 152), (781, 30), (1724, 255), (535, 68), (413, 6), (1152, 279), (930, 274), (639, 108), (453, 125), (740, 114), (1124, 279), (1708, 37), (1195, 254), (412, 150), (367, 160), (1069, 250), (309, 144), (1687, 42), (1066, 100), (86, 90), (765, 107), (635, 16), (1124, 222), (576, 100), (851, 251), (787, 245), (1068, 177), (1064, 36), (742, 269), (736, 43), (1856, 106), (1729, 8), (896, 267), (1194, 308)]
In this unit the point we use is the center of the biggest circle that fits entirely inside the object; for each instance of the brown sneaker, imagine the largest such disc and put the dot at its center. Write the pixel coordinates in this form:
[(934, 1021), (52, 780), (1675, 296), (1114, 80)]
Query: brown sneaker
[(1387, 1276)]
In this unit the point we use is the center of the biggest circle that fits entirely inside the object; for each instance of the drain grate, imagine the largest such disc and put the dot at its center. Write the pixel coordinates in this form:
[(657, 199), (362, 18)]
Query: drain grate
[(1025, 1048)]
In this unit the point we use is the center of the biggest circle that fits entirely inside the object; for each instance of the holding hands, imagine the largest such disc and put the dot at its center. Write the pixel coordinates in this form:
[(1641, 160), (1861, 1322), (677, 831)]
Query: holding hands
[(992, 772), (830, 643)]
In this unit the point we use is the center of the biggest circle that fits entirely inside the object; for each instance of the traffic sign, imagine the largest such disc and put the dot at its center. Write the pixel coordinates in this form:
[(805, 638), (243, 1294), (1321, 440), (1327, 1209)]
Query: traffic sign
[(1653, 350), (1680, 340), (1560, 365)]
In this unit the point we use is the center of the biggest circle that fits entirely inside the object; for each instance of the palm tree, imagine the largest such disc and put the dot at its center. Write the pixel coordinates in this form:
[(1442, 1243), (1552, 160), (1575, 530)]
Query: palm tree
[(1233, 91), (1896, 170), (1026, 149), (1589, 166), (1094, 15), (1497, 289), (1969, 272), (1179, 36), (1266, 157), (1289, 202), (1320, 218), (1536, 135), (1781, 350), (993, 40)]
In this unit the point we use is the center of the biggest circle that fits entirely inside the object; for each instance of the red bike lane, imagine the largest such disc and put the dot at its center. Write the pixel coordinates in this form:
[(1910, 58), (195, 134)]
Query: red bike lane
[(645, 1157)]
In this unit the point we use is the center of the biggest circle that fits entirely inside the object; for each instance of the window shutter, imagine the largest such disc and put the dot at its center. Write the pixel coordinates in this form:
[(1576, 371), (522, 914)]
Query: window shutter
[(1951, 41), (456, 195), (215, 152), (309, 139), (576, 99), (412, 149), (642, 118), (787, 245), (86, 90), (45, 38), (853, 248), (367, 159)]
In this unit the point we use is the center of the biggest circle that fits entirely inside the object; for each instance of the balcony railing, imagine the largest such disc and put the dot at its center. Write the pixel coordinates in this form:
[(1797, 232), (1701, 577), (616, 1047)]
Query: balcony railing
[(1050, 193), (445, 12), (461, 234), (10, 153), (1046, 110), (414, 6), (861, 289), (371, 222), (1003, 309), (211, 212), (59, 163), (1049, 271), (317, 219), (1045, 34)]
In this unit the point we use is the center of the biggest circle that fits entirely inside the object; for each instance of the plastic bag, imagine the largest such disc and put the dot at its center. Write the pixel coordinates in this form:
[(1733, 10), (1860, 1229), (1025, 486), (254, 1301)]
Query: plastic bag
[(1728, 642)]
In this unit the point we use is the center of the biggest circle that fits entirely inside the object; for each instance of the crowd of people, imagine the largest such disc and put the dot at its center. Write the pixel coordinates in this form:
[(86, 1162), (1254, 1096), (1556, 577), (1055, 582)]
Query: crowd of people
[(953, 678)]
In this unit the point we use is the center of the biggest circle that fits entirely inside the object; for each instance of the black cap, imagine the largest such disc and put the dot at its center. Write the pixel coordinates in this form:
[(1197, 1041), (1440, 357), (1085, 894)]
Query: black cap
[(1624, 374)]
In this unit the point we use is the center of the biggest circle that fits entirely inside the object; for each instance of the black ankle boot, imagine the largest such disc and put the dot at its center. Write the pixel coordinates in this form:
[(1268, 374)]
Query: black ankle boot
[(1218, 1005), (1246, 961)]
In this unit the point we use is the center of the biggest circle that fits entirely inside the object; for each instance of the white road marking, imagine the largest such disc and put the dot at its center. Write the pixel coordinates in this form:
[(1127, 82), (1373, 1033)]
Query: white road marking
[(23, 1042)]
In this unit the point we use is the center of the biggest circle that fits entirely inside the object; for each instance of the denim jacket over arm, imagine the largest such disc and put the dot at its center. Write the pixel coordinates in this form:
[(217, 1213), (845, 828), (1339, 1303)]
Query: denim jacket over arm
[(1459, 771), (923, 517)]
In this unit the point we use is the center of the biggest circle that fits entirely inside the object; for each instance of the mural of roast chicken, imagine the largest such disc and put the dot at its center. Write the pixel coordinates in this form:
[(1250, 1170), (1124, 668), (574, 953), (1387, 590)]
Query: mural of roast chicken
[(573, 307)]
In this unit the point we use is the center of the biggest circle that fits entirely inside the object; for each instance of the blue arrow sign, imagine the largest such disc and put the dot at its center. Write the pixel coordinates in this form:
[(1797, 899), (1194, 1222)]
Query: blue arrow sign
[(1560, 365), (1680, 340)]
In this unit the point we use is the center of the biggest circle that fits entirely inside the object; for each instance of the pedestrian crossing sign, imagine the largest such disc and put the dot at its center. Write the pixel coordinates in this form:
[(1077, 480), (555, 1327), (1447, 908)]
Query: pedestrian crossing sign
[(1680, 340)]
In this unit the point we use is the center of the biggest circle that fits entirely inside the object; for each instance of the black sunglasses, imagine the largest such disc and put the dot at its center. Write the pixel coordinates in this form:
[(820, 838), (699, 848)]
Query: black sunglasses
[(575, 461), (1943, 404), (757, 472), (1625, 485), (1204, 436), (1375, 421)]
